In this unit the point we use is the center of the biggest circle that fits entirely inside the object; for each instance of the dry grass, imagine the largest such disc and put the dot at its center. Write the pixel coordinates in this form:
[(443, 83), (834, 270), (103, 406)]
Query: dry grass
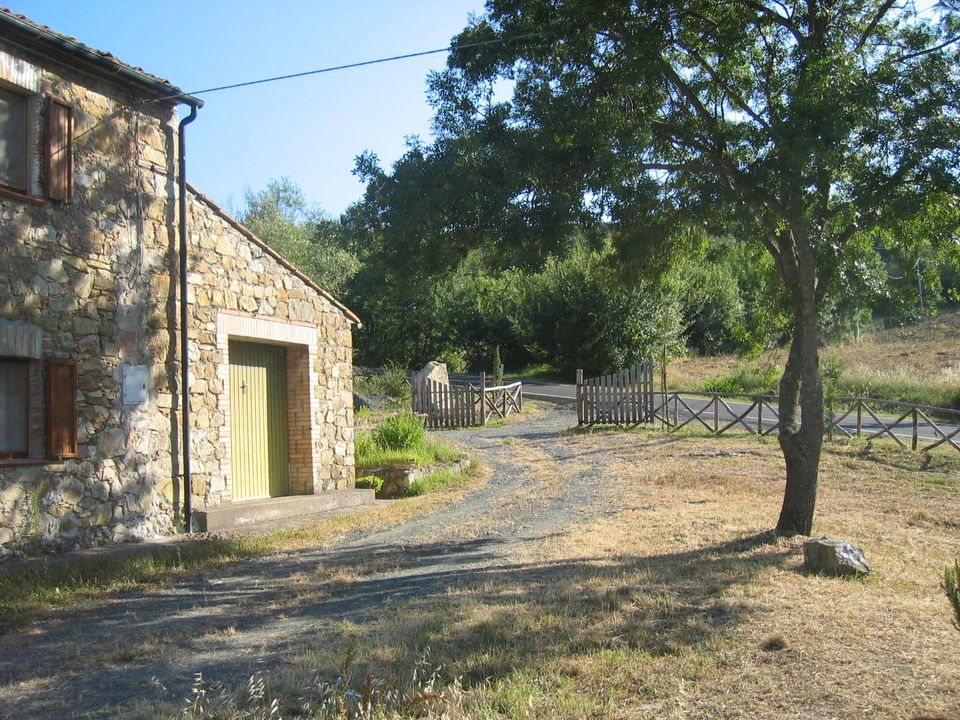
[(674, 602), (920, 363), (27, 589)]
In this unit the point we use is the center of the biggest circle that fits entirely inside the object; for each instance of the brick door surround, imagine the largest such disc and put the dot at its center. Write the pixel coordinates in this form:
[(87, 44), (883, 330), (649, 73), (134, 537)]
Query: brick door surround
[(300, 339)]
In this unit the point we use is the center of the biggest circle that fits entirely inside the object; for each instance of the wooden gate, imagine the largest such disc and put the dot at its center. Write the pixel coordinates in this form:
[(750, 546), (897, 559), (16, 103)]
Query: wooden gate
[(259, 454), (624, 398), (464, 405), (444, 405)]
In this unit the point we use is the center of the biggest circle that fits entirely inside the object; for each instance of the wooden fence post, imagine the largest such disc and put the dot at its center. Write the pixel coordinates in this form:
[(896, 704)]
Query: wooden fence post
[(579, 397), (483, 398)]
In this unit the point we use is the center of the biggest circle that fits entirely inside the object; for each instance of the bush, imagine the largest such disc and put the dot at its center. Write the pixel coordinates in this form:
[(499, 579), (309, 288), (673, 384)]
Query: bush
[(400, 432), (364, 447), (393, 382), (951, 586), (751, 379), (372, 482)]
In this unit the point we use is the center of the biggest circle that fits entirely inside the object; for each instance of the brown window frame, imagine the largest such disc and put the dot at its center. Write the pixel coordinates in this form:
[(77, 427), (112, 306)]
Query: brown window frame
[(20, 454)]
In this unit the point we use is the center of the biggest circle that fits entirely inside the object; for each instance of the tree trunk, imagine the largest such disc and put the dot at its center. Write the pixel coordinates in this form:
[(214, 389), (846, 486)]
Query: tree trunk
[(801, 399)]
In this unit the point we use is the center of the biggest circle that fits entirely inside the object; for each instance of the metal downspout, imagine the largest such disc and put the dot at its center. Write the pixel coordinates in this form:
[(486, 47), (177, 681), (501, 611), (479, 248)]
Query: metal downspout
[(184, 350)]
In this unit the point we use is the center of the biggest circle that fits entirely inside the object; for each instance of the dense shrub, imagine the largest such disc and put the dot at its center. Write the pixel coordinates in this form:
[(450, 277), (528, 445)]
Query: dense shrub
[(579, 315), (400, 432), (951, 586)]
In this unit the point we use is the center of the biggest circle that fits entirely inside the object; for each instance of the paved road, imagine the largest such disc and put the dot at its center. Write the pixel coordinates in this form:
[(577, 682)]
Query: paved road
[(559, 392)]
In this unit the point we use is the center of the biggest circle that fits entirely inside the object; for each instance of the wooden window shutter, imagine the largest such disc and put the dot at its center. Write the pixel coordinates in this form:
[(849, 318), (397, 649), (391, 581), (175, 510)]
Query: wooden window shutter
[(61, 409), (59, 150)]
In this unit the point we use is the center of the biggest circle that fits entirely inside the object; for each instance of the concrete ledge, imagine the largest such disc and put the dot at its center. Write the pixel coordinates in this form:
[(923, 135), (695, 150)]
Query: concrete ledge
[(259, 512)]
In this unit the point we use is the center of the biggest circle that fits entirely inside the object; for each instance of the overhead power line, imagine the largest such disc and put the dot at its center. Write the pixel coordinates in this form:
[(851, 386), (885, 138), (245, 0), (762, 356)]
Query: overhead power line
[(364, 63)]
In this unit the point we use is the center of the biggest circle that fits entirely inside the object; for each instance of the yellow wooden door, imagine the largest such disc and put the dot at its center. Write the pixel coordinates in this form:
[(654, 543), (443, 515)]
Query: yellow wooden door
[(258, 420)]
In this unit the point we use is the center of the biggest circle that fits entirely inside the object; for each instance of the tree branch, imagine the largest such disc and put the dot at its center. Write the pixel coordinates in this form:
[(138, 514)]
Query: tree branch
[(775, 18), (735, 98), (921, 53), (871, 26)]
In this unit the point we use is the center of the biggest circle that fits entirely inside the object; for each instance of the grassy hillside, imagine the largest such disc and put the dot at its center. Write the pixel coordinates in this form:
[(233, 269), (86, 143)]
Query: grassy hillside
[(918, 363)]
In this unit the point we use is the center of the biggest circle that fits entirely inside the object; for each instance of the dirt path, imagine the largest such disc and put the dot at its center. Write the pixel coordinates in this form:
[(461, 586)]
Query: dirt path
[(90, 661)]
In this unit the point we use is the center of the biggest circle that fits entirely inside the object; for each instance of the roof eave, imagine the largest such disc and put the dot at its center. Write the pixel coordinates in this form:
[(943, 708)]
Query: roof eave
[(76, 51)]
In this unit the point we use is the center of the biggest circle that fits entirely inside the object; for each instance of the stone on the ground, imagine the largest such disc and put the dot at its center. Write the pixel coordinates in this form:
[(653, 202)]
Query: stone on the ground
[(360, 402), (834, 557), (436, 371)]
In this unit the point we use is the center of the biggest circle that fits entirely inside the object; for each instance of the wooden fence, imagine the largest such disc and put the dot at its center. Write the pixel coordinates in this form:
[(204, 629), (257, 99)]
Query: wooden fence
[(913, 418), (464, 405), (501, 400), (624, 398), (680, 408), (910, 425)]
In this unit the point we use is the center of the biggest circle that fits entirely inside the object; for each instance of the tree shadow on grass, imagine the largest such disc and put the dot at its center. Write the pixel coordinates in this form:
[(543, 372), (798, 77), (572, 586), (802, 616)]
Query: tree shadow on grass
[(482, 617)]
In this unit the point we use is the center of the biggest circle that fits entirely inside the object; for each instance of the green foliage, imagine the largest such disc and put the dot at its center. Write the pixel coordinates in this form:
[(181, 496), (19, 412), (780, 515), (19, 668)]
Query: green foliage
[(728, 299), (363, 446), (951, 586), (753, 378), (370, 482), (402, 431), (440, 480), (429, 452), (281, 216), (393, 381), (579, 316), (390, 381)]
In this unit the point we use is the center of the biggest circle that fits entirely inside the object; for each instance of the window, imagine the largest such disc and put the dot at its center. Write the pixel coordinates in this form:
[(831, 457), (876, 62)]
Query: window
[(14, 408), (13, 140), (20, 123), (58, 409)]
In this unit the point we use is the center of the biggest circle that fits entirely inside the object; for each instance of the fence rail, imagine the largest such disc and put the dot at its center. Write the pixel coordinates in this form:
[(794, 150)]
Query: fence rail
[(624, 398), (464, 405), (910, 425)]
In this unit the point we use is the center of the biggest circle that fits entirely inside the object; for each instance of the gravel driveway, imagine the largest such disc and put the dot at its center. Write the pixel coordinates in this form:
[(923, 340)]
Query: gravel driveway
[(91, 660)]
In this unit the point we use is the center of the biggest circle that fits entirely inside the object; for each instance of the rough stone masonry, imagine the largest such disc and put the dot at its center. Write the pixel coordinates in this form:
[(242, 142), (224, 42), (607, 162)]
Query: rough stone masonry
[(93, 281)]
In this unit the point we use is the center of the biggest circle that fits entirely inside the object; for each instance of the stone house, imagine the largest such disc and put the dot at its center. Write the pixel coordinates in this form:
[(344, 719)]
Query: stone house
[(92, 354)]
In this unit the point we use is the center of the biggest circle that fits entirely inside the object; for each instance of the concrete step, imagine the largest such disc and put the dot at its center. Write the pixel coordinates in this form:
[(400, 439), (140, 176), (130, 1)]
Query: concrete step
[(237, 515)]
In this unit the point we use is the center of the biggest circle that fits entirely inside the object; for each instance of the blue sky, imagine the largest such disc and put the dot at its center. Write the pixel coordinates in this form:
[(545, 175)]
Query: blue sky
[(308, 129)]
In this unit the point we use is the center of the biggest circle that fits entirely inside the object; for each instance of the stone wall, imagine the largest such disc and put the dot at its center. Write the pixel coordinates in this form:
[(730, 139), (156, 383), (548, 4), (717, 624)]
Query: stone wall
[(240, 288), (96, 278)]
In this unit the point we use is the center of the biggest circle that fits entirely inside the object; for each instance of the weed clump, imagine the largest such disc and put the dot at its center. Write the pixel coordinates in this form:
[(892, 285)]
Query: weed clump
[(951, 586), (402, 431)]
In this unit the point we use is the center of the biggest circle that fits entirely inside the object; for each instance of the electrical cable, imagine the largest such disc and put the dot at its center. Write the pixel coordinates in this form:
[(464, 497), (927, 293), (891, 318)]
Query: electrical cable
[(364, 63)]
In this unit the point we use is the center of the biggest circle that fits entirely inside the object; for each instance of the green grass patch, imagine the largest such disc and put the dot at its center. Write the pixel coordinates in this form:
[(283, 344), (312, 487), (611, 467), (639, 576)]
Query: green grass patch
[(901, 389), (440, 480), (544, 372), (429, 452), (761, 379)]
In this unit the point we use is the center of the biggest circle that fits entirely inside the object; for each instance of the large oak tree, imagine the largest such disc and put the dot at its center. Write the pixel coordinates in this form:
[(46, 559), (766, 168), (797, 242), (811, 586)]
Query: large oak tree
[(814, 129)]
